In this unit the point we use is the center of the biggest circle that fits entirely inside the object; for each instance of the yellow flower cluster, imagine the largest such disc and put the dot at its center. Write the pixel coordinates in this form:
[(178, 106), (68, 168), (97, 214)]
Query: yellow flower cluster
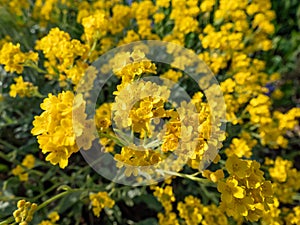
[(27, 164), (293, 218), (130, 66), (23, 88), (241, 146), (62, 128), (61, 53), (213, 176), (139, 117), (103, 116), (213, 215), (103, 122), (15, 6), (245, 192), (273, 216), (191, 210), (14, 59), (272, 133), (172, 75), (99, 201), (229, 35), (24, 214), (100, 18), (48, 11), (281, 215), (206, 126), (133, 158), (184, 14), (95, 26), (194, 212), (166, 197), (134, 108), (141, 12), (285, 179), (53, 218)]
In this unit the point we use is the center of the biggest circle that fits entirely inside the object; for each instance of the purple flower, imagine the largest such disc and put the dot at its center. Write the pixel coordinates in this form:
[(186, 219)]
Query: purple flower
[(271, 88), (129, 2)]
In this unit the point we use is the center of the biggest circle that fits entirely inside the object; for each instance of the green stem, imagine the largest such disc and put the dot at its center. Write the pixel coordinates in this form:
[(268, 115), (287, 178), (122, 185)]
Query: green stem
[(47, 202), (38, 94), (45, 192), (8, 221), (188, 176), (115, 139), (32, 65), (92, 48)]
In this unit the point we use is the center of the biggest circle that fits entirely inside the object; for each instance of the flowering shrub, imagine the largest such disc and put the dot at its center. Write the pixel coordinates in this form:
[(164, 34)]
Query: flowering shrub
[(139, 117)]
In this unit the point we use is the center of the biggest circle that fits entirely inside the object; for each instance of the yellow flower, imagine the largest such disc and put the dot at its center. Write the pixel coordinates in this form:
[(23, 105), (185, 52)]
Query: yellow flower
[(213, 176), (280, 169), (163, 3), (131, 36), (64, 57), (132, 157), (169, 218), (207, 5), (27, 163), (213, 215), (228, 86), (172, 75), (239, 147), (230, 190), (273, 216), (60, 125), (277, 94), (238, 207), (165, 196), (14, 59), (25, 211), (293, 218), (53, 216), (95, 26), (285, 179), (158, 17), (259, 109), (19, 171), (23, 89), (237, 167), (191, 210), (99, 201), (245, 193)]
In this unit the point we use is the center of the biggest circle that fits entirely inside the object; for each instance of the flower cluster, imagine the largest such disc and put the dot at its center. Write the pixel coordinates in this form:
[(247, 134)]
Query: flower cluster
[(285, 179), (166, 197), (14, 59), (99, 201), (151, 118), (24, 214), (245, 192), (23, 88), (53, 218), (61, 127), (61, 53), (27, 164), (191, 210)]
